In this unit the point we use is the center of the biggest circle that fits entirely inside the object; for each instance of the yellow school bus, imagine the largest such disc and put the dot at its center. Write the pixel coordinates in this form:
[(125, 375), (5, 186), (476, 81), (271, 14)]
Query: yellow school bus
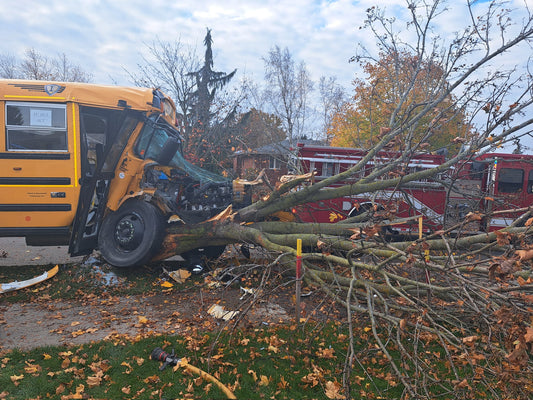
[(97, 167)]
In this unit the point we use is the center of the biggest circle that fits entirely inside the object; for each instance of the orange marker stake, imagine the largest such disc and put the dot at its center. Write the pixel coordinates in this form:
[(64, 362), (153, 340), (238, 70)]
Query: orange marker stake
[(298, 277)]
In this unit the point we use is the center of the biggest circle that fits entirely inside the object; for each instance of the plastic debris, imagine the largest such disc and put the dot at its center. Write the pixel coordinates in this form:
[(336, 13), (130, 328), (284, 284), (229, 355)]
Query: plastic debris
[(180, 275), (248, 291), (9, 287), (219, 312)]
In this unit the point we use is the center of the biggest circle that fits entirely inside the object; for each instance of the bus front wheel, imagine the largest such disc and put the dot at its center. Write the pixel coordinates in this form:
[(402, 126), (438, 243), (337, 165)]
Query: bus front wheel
[(131, 235)]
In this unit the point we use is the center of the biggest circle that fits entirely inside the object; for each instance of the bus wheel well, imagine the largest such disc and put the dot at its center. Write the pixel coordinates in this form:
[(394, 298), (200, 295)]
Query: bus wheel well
[(131, 235)]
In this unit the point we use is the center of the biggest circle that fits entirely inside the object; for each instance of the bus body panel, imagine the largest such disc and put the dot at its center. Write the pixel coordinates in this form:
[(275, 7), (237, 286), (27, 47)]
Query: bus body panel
[(45, 159), (38, 187), (98, 167)]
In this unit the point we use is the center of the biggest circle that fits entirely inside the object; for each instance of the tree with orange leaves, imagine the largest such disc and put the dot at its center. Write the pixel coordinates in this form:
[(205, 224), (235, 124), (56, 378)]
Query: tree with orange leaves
[(399, 85)]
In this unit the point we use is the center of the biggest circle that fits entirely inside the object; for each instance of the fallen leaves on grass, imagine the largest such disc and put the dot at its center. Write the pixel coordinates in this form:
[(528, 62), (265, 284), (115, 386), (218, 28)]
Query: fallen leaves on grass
[(32, 368), (333, 390), (16, 379)]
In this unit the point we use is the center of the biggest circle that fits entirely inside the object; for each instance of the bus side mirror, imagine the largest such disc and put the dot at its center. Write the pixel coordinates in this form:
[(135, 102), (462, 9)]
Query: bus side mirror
[(170, 148)]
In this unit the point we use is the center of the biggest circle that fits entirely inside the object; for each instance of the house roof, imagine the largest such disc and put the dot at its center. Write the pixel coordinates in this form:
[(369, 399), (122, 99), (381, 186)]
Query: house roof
[(280, 148)]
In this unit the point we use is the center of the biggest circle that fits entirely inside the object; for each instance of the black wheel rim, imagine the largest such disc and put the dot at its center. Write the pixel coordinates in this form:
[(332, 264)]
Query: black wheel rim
[(129, 232)]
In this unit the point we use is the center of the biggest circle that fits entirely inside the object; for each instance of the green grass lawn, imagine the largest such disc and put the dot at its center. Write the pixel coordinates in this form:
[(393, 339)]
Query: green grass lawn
[(279, 362), (261, 361), (274, 362)]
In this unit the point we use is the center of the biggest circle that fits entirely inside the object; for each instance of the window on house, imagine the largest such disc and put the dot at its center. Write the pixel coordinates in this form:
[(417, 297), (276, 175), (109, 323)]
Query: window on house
[(328, 169), (530, 182), (275, 163), (510, 180), (36, 127)]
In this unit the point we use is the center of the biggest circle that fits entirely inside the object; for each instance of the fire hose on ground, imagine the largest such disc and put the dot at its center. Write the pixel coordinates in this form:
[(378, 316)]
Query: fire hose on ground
[(158, 354)]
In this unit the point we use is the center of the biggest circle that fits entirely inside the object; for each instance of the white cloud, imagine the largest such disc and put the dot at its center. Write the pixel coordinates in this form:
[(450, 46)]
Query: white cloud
[(106, 37)]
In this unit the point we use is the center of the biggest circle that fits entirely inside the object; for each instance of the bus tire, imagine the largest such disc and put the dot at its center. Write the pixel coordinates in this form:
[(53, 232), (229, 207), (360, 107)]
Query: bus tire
[(131, 235)]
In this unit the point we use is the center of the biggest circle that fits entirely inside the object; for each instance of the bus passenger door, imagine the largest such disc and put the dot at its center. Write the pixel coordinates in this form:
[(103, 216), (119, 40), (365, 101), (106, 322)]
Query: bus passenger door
[(39, 171), (104, 134)]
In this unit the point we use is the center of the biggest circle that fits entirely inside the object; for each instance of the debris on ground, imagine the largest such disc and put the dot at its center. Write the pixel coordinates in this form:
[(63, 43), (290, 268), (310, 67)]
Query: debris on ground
[(16, 285), (219, 312), (248, 291), (180, 275)]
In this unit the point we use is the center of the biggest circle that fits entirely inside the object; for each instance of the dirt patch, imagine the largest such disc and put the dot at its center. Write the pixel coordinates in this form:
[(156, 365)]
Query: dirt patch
[(101, 315), (53, 323)]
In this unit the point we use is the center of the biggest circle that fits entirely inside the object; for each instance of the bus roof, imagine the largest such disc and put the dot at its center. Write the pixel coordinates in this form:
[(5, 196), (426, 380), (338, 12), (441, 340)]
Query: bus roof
[(83, 93)]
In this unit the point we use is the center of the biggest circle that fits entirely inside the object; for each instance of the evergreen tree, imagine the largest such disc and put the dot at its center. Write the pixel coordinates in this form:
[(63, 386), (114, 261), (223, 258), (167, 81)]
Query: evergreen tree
[(209, 132)]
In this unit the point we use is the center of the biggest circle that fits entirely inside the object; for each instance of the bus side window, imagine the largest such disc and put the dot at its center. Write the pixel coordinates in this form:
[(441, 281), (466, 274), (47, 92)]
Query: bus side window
[(510, 180), (95, 128), (36, 127)]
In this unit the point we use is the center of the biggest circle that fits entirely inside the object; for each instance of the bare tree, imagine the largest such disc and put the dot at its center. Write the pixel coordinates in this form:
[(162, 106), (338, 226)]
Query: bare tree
[(205, 109), (37, 66), (168, 66), (287, 90), (8, 66), (64, 70), (332, 97)]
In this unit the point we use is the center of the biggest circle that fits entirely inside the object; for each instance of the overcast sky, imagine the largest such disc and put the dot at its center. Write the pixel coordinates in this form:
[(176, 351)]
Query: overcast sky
[(106, 37)]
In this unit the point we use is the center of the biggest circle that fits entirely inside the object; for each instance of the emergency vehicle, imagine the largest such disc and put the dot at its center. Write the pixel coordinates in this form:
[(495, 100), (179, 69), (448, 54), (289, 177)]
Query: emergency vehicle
[(484, 184)]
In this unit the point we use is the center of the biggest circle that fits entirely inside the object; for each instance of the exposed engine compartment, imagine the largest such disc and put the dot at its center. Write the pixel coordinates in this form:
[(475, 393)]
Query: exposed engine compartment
[(190, 199)]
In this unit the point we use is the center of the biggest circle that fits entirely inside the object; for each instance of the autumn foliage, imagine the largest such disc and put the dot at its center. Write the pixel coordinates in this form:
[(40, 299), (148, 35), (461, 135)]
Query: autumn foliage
[(396, 87)]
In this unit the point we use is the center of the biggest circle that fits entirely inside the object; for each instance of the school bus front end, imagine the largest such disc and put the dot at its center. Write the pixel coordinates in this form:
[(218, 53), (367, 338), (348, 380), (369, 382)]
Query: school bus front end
[(98, 167)]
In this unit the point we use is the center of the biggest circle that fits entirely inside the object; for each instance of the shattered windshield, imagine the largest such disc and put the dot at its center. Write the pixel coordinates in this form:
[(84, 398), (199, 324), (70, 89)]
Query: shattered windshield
[(152, 139), (150, 144)]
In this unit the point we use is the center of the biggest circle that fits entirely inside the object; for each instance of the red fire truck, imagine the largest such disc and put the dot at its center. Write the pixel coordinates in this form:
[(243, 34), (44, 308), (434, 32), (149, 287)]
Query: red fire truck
[(486, 184)]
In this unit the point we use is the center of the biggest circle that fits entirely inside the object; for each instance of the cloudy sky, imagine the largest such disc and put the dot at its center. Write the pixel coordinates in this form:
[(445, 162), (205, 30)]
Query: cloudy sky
[(106, 37)]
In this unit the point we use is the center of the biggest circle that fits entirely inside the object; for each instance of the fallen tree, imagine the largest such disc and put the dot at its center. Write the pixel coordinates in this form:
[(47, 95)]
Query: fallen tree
[(473, 294)]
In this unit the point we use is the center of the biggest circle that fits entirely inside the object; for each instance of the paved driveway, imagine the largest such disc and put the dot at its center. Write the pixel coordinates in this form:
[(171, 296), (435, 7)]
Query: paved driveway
[(14, 252)]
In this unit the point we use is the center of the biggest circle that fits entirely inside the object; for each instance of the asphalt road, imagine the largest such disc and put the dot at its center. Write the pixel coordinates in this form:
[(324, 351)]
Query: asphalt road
[(14, 252)]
